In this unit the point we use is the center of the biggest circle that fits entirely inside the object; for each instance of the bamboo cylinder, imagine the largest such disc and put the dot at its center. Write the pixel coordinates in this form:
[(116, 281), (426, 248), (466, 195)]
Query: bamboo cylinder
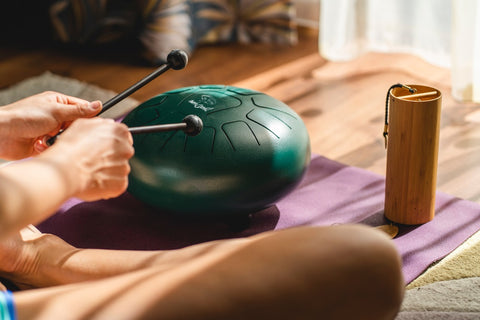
[(412, 155)]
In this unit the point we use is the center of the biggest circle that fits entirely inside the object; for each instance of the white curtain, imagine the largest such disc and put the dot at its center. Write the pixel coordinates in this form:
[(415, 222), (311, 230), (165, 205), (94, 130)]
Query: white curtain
[(443, 32)]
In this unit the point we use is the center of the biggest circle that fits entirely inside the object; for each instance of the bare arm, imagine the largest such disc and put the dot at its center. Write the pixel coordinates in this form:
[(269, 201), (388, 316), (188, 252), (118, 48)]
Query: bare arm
[(89, 160), (30, 191)]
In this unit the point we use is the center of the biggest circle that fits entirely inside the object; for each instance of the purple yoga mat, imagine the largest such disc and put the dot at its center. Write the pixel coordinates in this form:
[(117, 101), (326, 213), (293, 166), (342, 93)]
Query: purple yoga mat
[(330, 193)]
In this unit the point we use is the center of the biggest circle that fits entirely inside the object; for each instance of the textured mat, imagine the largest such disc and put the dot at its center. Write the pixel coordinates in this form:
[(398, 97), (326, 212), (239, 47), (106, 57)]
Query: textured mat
[(331, 193), (454, 300)]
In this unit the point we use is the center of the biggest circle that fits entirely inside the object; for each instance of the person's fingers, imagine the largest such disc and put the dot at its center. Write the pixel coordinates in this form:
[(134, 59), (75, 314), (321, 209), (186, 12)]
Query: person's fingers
[(70, 112), (129, 135), (65, 99), (40, 145)]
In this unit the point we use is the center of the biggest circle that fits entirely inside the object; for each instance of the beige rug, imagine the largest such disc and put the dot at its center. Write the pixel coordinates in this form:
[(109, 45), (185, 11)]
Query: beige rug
[(453, 299), (463, 262)]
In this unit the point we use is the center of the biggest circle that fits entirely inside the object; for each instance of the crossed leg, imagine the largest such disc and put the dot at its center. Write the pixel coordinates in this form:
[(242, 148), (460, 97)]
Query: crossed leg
[(339, 272)]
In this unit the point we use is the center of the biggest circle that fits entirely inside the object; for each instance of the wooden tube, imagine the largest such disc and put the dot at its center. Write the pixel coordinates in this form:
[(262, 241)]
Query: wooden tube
[(412, 156)]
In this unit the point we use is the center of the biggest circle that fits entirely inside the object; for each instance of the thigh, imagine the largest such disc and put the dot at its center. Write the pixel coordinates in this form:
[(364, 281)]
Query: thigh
[(299, 273)]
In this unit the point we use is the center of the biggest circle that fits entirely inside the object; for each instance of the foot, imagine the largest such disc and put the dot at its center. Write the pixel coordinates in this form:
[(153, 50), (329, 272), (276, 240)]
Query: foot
[(22, 255)]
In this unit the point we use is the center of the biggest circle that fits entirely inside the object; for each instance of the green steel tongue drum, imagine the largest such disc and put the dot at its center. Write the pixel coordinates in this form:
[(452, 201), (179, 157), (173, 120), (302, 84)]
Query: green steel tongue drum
[(252, 151)]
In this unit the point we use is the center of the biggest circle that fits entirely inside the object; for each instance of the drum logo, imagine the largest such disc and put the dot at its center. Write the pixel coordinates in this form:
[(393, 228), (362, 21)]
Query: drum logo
[(204, 102)]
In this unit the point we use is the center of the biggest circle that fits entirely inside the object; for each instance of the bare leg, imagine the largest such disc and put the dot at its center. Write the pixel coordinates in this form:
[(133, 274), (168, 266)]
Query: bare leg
[(341, 272)]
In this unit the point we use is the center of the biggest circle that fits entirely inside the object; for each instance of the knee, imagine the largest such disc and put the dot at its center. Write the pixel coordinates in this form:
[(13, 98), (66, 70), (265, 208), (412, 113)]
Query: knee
[(376, 266), (370, 271), (355, 268)]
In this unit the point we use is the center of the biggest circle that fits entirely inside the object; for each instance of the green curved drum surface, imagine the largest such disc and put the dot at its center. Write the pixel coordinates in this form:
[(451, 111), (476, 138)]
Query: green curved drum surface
[(252, 151)]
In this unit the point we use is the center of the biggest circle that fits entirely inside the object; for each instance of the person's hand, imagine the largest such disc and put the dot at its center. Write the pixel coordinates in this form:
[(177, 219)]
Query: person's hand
[(95, 153), (25, 123)]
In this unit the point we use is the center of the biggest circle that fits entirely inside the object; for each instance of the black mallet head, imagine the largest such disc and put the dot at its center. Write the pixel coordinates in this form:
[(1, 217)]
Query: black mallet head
[(177, 59), (194, 125)]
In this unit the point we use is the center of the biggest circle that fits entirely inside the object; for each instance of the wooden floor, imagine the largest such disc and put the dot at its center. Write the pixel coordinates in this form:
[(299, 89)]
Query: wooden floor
[(342, 104)]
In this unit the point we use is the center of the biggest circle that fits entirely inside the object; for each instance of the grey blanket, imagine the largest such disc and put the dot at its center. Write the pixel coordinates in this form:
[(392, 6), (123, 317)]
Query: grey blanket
[(452, 300)]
